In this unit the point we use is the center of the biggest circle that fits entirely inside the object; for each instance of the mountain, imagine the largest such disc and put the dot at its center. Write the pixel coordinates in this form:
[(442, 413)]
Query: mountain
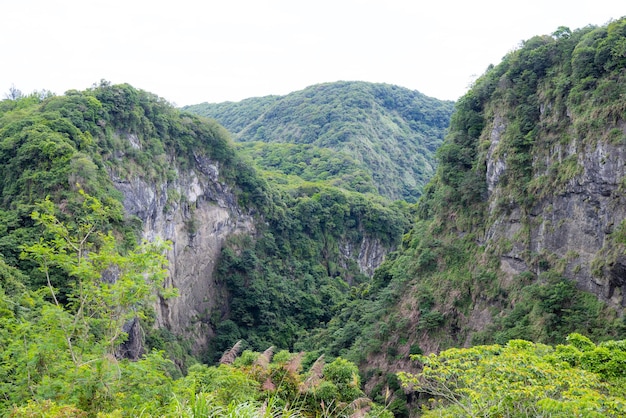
[(381, 137), (159, 172), (521, 232), (137, 242), (128, 227)]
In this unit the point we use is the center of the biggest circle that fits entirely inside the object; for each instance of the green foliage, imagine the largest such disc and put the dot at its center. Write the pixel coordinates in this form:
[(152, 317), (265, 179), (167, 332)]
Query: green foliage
[(295, 164), (293, 286), (520, 117), (65, 353), (56, 145), (64, 362), (108, 289), (47, 409), (293, 277), (521, 379), (270, 387), (345, 376), (74, 258), (548, 310), (382, 136)]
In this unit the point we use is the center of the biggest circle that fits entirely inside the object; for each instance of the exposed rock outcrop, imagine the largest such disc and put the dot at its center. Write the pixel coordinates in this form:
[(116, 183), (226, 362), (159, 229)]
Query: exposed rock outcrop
[(369, 254), (569, 230), (197, 213)]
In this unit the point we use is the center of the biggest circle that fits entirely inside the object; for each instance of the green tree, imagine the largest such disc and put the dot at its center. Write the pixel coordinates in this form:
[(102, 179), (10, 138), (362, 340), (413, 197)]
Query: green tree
[(66, 352), (107, 288), (518, 379)]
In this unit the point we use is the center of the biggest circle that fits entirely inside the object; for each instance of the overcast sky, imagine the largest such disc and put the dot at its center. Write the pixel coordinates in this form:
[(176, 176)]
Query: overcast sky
[(190, 52)]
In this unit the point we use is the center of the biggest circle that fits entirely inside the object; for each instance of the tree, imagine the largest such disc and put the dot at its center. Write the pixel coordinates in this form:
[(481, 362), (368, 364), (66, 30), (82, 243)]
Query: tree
[(107, 288), (64, 350), (14, 93), (518, 379)]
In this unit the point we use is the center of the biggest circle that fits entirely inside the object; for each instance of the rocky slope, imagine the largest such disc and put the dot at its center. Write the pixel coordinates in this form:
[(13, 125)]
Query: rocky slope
[(208, 199), (197, 213), (547, 132), (163, 173), (571, 227)]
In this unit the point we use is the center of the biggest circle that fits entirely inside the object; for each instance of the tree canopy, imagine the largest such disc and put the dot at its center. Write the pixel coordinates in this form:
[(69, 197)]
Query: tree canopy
[(521, 379), (388, 133)]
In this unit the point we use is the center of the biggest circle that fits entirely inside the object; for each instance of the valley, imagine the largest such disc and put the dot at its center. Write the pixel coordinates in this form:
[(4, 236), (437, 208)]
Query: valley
[(350, 249)]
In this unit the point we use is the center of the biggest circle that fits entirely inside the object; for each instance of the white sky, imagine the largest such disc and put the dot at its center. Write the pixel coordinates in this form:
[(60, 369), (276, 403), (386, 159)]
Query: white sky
[(192, 51)]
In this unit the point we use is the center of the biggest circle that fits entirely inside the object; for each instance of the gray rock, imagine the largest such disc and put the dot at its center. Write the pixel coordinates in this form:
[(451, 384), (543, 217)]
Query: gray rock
[(197, 214), (571, 227)]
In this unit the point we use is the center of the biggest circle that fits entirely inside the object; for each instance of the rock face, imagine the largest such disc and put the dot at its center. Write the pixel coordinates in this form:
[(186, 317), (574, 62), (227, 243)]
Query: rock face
[(132, 348), (197, 213), (369, 254), (570, 229)]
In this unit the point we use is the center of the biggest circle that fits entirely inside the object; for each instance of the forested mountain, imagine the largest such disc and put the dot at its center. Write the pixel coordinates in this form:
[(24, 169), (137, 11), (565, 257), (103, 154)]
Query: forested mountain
[(148, 269), (132, 231), (359, 136)]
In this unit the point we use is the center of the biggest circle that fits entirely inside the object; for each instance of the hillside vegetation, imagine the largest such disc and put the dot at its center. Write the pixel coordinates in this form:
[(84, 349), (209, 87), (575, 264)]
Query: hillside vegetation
[(360, 136), (57, 146), (482, 304), (446, 286), (75, 277)]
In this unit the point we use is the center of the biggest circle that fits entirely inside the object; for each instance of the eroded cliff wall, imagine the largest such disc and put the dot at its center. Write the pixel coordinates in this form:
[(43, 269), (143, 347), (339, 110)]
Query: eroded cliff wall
[(577, 206), (197, 213)]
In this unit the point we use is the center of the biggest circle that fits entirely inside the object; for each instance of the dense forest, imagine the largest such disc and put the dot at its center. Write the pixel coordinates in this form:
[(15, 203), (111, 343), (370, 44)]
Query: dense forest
[(491, 299), (75, 271), (365, 137)]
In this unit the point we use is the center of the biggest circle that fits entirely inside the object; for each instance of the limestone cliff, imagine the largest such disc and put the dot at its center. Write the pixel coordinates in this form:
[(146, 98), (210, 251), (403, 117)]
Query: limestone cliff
[(570, 226), (540, 142), (522, 231), (197, 213), (368, 253)]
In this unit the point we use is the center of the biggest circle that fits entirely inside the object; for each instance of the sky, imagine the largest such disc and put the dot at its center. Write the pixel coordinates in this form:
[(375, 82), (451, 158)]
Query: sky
[(194, 51)]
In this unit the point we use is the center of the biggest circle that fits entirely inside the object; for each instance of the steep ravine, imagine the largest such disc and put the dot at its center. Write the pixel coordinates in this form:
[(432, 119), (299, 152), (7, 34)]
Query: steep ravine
[(522, 232), (197, 213)]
